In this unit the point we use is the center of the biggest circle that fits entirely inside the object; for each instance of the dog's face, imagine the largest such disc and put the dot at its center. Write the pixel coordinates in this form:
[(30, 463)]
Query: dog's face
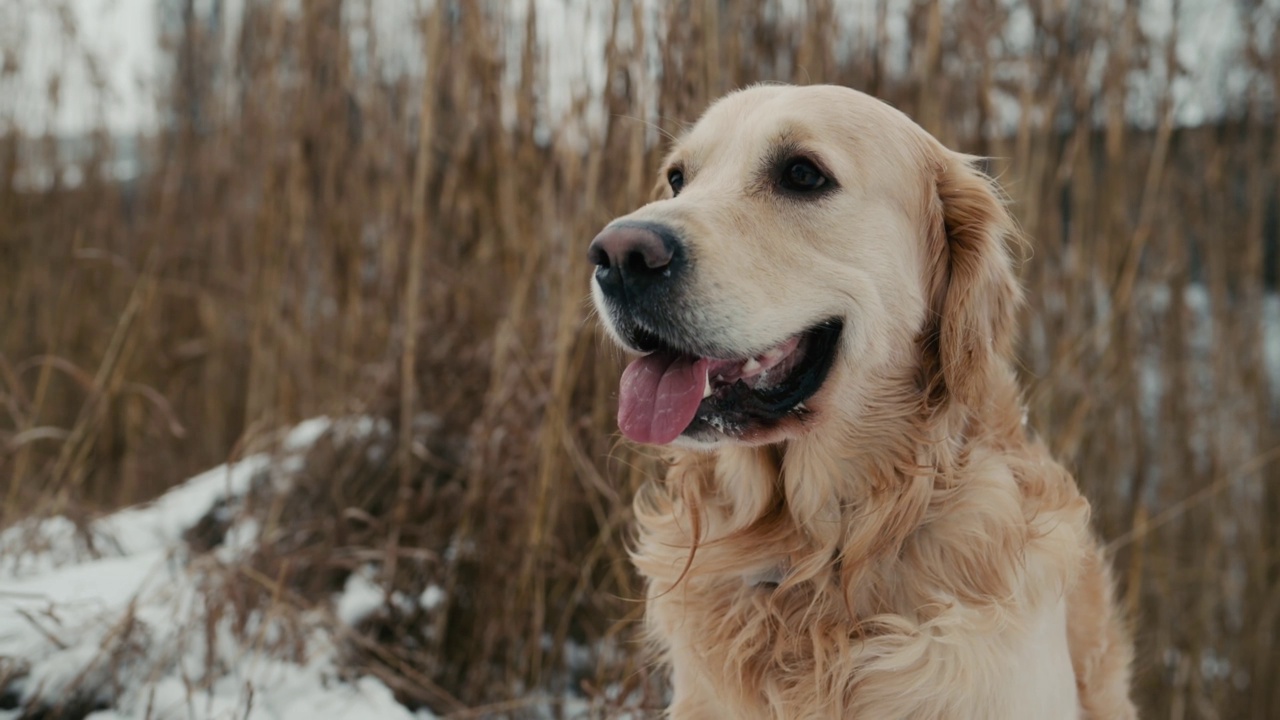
[(790, 263)]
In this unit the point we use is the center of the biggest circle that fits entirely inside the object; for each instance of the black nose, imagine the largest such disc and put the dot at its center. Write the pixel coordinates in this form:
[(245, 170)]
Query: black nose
[(633, 258)]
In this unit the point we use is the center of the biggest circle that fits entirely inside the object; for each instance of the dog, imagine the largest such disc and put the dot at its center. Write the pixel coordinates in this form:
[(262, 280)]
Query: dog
[(855, 521)]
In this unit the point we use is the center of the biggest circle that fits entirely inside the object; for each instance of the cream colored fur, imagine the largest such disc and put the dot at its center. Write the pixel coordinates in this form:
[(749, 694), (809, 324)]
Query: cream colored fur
[(931, 558)]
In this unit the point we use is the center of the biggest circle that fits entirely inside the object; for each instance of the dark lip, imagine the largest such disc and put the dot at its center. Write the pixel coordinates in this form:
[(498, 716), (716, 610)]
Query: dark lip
[(739, 410), (645, 341), (639, 337)]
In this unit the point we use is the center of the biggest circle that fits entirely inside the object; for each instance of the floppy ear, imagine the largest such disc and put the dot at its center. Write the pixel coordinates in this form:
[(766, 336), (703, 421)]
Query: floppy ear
[(974, 292)]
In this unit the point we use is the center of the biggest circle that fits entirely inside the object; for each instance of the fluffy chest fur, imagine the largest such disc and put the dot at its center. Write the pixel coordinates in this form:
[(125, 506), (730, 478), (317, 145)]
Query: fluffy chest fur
[(931, 597)]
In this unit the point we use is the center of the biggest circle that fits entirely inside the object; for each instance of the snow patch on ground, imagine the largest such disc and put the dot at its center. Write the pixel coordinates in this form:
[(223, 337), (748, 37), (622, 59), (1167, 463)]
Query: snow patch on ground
[(432, 597), (35, 549), (360, 598), (121, 609)]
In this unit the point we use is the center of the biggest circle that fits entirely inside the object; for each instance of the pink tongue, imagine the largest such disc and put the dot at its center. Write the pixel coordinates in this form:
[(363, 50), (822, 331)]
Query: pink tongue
[(659, 395)]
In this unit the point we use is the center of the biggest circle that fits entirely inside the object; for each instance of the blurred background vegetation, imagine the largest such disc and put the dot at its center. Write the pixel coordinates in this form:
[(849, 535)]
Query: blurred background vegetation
[(380, 208)]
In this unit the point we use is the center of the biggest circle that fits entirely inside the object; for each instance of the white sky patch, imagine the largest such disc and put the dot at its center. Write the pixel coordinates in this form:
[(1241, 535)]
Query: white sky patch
[(108, 56), (572, 35), (105, 55)]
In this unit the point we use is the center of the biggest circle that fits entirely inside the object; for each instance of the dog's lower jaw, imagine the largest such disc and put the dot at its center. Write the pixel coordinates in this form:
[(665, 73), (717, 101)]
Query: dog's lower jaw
[(699, 445)]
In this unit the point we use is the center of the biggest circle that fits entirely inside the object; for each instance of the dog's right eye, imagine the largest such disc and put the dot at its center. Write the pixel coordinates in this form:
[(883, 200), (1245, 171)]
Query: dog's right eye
[(800, 175), (675, 178)]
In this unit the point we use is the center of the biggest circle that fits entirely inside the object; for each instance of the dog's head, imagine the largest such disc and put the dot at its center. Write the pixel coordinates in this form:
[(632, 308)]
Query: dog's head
[(807, 245)]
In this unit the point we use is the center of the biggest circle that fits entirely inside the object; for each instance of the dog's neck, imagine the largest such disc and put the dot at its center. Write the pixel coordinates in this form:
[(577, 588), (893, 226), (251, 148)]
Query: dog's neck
[(849, 494)]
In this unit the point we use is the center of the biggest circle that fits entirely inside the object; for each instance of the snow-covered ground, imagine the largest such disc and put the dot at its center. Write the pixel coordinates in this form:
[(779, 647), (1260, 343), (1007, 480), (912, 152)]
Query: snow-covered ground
[(126, 619), (134, 617)]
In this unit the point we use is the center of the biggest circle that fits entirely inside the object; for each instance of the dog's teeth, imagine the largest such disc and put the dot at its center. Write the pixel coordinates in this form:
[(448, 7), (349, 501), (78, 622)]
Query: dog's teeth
[(750, 366), (706, 391)]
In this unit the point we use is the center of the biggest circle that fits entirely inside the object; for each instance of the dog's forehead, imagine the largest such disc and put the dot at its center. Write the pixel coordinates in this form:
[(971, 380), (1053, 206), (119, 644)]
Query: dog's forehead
[(836, 120)]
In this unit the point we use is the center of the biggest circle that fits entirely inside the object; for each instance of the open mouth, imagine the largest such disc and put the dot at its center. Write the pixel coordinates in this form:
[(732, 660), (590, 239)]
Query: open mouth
[(668, 392)]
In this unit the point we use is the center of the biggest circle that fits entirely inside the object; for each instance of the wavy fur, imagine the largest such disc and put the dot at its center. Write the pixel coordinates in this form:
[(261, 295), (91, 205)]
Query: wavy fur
[(931, 559)]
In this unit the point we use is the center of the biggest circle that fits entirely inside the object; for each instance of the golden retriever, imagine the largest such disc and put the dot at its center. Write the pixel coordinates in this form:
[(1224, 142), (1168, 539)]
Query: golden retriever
[(856, 522)]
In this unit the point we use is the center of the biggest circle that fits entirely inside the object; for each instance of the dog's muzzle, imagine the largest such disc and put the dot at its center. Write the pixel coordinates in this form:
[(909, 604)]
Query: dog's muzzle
[(636, 263)]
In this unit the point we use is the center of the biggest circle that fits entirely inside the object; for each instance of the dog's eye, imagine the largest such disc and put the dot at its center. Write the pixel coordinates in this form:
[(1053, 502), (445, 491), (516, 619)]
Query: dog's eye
[(675, 178), (800, 175)]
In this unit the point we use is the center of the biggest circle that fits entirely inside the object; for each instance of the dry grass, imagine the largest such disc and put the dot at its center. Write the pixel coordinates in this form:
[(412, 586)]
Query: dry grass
[(316, 232)]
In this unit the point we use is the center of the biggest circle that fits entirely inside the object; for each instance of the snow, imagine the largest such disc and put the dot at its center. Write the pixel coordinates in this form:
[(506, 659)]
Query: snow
[(306, 433), (360, 598), (121, 615), (431, 598), (130, 617), (129, 533)]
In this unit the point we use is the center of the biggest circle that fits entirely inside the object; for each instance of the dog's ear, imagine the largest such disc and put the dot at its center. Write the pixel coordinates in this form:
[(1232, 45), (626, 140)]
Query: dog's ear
[(974, 293)]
